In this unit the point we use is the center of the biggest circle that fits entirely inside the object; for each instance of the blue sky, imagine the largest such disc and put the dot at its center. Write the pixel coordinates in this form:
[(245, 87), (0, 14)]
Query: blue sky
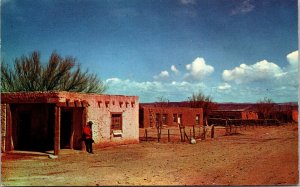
[(232, 50)]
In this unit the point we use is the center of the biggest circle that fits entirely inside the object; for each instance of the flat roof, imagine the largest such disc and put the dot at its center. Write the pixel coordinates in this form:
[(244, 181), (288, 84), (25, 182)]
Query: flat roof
[(55, 97)]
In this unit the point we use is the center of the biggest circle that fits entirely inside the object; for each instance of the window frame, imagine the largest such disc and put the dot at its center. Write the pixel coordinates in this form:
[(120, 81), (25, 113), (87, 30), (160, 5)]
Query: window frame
[(197, 119), (164, 119), (112, 118), (175, 118)]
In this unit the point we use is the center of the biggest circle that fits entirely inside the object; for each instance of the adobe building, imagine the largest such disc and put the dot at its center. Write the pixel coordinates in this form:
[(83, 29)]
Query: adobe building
[(295, 116), (41, 121), (285, 112), (150, 115), (233, 114)]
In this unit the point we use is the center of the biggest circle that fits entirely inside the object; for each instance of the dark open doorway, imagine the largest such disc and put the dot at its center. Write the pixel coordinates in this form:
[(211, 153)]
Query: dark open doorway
[(65, 129), (23, 130), (32, 127)]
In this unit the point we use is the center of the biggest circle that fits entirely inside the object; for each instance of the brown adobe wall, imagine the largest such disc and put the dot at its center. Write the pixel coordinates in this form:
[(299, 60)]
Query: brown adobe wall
[(188, 115), (227, 114), (295, 116), (249, 115), (252, 115), (233, 114)]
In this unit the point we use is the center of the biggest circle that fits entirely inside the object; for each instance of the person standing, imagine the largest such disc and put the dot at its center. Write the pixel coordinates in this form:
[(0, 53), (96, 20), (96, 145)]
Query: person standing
[(88, 137)]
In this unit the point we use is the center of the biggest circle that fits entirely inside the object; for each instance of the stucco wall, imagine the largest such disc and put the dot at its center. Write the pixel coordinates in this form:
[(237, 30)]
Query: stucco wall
[(100, 114), (99, 111)]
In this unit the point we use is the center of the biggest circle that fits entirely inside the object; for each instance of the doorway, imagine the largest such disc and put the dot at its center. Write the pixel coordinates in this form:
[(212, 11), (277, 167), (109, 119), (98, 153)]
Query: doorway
[(65, 129), (23, 130), (31, 127)]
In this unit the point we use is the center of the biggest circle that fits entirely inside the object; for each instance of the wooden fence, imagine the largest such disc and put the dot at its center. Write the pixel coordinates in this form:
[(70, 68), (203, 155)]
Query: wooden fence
[(214, 128), (177, 134)]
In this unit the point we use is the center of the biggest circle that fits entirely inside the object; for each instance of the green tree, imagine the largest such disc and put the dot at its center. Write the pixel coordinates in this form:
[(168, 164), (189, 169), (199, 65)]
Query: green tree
[(59, 74)]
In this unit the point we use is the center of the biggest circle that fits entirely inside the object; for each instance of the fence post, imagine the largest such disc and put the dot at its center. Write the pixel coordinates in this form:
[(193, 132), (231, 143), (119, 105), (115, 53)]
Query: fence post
[(158, 134), (146, 132), (226, 126), (184, 134), (204, 132), (194, 131), (180, 130), (212, 131)]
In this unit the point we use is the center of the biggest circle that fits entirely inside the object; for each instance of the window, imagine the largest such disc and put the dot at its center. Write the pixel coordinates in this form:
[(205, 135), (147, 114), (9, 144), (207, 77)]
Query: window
[(197, 119), (151, 119), (180, 118), (116, 121), (175, 118), (157, 118), (164, 119), (231, 117)]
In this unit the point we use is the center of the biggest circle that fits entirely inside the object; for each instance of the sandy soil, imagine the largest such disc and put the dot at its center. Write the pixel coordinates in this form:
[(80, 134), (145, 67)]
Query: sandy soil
[(259, 156)]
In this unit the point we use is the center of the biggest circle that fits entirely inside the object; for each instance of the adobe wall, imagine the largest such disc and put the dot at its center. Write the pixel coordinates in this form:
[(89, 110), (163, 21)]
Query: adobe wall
[(227, 114), (99, 111), (295, 116), (3, 126), (249, 115), (188, 115)]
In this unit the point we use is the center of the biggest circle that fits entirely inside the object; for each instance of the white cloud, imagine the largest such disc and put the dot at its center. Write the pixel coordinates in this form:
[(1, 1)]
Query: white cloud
[(292, 58), (149, 91), (224, 86), (243, 8), (259, 71), (198, 69), (162, 75), (269, 80), (114, 79), (174, 69)]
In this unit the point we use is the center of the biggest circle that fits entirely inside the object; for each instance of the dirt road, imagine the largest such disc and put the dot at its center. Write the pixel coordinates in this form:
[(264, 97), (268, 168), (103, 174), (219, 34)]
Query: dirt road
[(259, 156)]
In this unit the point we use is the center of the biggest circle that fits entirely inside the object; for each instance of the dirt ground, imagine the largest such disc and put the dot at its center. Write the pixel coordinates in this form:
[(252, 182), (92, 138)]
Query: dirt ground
[(259, 156)]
